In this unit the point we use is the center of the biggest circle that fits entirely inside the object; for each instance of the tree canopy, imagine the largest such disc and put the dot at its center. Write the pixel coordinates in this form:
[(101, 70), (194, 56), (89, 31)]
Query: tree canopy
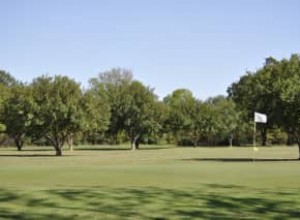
[(274, 90), (57, 110)]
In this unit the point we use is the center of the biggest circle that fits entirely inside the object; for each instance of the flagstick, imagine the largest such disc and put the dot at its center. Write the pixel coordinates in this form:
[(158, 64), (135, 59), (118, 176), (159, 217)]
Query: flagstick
[(258, 118)]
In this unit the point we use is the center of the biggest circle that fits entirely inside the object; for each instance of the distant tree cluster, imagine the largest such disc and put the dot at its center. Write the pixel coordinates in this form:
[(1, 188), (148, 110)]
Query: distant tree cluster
[(116, 109), (274, 90)]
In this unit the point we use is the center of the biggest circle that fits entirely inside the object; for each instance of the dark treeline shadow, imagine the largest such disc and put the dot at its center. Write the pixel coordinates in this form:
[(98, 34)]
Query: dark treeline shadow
[(114, 148), (31, 155), (241, 159), (100, 149)]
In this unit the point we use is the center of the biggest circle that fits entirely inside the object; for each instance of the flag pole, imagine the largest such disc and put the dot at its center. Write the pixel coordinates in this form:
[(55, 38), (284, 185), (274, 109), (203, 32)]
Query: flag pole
[(254, 134), (254, 141)]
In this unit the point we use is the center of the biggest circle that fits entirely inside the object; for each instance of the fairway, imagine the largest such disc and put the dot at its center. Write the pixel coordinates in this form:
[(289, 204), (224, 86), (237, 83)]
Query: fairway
[(171, 183)]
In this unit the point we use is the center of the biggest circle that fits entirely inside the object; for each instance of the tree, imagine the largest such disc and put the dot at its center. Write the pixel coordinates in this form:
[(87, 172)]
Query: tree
[(96, 111), (288, 86), (17, 113), (200, 122), (133, 105), (115, 83), (159, 117), (274, 90), (255, 92), (141, 115), (182, 106), (228, 117), (2, 101), (6, 79), (57, 111)]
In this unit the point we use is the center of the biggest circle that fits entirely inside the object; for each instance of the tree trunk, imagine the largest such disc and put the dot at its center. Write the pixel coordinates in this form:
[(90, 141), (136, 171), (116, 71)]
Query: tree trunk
[(230, 140), (57, 144), (132, 145), (264, 133), (19, 147), (299, 149), (290, 138), (135, 143), (19, 143), (180, 138), (70, 142), (195, 138), (58, 150)]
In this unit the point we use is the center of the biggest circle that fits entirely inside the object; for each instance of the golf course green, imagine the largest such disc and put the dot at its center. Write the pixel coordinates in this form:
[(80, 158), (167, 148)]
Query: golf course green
[(159, 183)]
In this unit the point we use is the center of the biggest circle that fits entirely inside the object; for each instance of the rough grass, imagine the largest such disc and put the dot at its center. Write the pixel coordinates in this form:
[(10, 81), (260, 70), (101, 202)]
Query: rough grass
[(172, 183)]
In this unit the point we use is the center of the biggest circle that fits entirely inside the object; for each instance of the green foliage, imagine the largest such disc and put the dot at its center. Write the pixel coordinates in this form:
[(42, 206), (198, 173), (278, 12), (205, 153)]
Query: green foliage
[(194, 122), (134, 107), (6, 79), (273, 90), (2, 127), (142, 116), (57, 110), (277, 137), (115, 84), (289, 90), (227, 119), (18, 113), (182, 106), (96, 113), (204, 123)]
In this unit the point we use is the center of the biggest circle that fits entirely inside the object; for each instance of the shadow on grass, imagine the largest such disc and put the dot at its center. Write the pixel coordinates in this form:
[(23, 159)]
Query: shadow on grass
[(210, 202), (101, 149), (26, 155), (241, 159), (118, 149)]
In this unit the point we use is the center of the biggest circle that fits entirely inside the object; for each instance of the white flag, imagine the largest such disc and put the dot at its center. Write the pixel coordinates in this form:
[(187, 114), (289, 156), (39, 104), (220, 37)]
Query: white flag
[(260, 118)]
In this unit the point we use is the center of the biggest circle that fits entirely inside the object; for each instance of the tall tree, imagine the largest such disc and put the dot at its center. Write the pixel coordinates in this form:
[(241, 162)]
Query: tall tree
[(115, 84), (274, 90), (6, 81), (141, 116), (228, 117), (57, 112), (201, 122), (182, 106), (157, 129), (255, 92), (132, 105), (18, 113), (288, 85), (96, 112)]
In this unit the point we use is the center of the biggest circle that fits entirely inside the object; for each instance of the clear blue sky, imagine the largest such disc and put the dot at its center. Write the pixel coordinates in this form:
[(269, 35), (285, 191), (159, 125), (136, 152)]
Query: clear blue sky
[(201, 45)]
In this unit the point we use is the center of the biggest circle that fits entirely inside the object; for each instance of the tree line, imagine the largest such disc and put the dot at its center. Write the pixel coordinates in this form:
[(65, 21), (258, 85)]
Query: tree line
[(116, 108)]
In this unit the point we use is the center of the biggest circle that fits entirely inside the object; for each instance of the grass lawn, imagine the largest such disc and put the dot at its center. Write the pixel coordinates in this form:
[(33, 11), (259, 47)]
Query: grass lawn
[(172, 183)]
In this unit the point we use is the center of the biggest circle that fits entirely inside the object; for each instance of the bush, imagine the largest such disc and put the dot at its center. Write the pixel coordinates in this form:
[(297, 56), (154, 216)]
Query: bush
[(277, 137)]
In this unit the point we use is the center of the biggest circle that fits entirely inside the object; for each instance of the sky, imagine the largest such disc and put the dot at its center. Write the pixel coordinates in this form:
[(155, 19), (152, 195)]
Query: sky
[(200, 45)]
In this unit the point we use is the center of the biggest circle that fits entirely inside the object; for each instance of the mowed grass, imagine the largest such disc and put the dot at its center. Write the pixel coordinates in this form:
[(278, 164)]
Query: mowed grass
[(172, 183)]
